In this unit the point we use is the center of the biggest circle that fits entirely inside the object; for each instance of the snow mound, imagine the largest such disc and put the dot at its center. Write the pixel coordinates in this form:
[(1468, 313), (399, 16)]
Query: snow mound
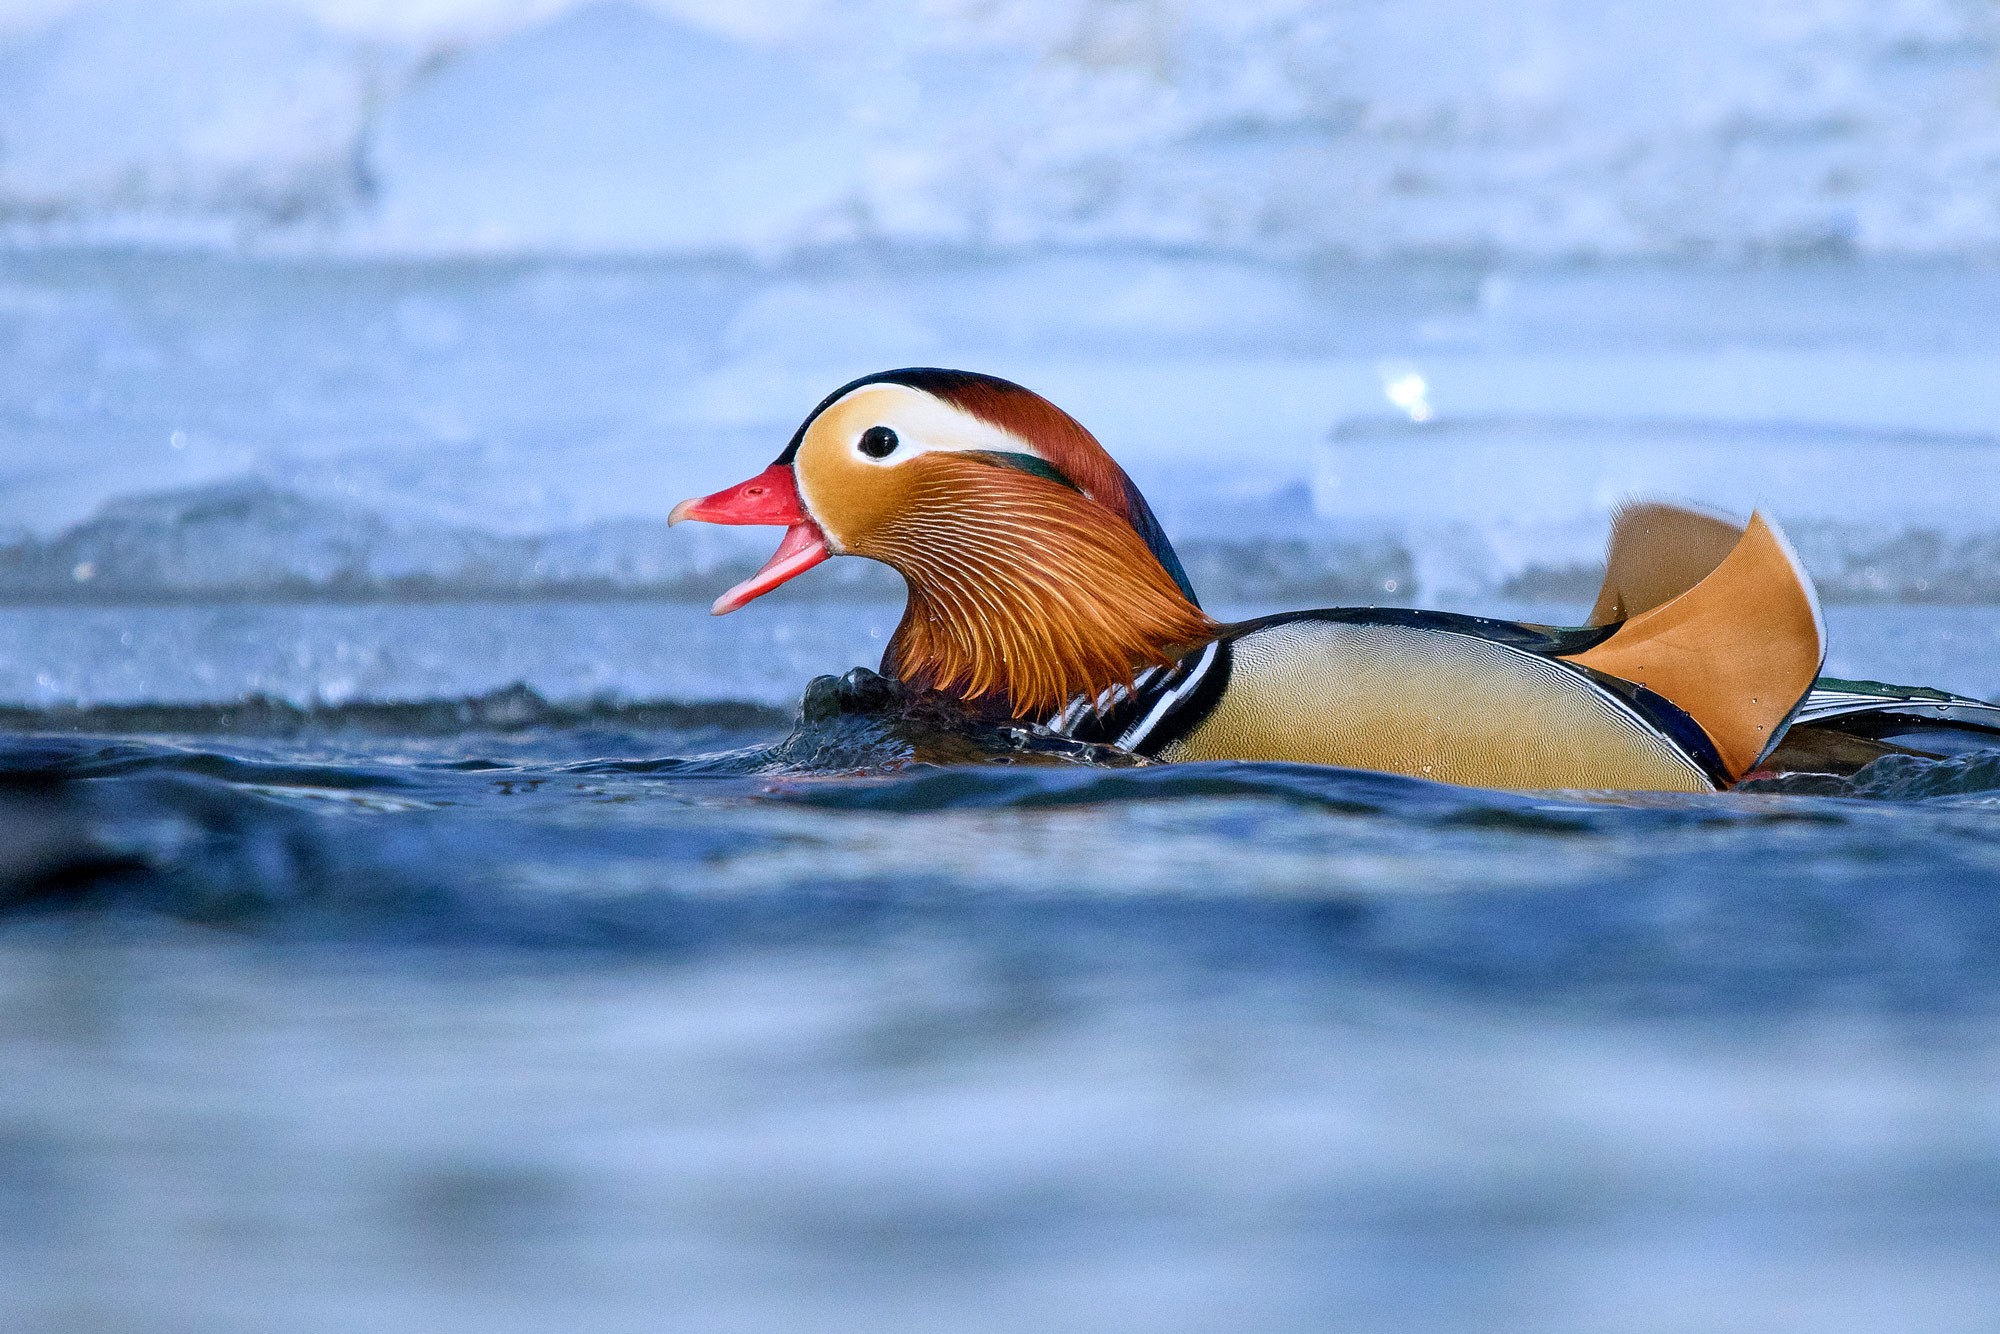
[(1543, 128), (179, 116), (611, 129)]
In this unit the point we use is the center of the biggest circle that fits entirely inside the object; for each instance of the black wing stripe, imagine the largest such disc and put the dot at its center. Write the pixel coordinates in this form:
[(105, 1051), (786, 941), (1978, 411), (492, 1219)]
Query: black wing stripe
[(1135, 736)]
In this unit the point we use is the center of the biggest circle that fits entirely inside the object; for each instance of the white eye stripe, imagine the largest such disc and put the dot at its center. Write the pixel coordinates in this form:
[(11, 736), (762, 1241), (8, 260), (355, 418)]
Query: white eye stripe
[(923, 424)]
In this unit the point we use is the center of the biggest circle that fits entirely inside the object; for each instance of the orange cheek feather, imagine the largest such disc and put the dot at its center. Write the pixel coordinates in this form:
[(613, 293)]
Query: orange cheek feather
[(1020, 588)]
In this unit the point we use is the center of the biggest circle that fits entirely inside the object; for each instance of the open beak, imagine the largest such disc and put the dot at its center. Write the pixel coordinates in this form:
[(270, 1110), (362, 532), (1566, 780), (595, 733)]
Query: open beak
[(771, 497)]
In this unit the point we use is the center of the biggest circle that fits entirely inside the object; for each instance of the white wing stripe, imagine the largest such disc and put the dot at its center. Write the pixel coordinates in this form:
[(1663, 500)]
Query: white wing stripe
[(1107, 698), (1139, 731)]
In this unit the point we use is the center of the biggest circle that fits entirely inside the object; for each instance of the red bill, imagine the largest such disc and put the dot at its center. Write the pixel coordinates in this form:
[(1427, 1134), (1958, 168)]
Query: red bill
[(771, 497)]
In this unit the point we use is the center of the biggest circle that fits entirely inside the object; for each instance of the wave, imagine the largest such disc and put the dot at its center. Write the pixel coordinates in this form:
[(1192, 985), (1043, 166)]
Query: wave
[(1735, 902), (515, 708), (859, 722), (878, 811), (856, 722), (1418, 128), (1973, 776)]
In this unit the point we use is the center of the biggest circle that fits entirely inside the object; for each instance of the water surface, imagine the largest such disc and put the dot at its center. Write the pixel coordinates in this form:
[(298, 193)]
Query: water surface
[(501, 1012)]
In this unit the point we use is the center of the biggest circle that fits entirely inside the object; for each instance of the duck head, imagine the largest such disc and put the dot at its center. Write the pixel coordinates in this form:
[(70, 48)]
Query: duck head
[(1036, 570)]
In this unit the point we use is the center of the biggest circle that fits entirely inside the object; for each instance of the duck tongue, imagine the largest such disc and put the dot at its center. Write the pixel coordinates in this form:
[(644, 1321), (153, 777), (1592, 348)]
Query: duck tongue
[(771, 497), (802, 549)]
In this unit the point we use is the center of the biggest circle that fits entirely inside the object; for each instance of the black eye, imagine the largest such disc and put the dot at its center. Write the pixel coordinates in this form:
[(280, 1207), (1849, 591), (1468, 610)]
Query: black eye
[(878, 442)]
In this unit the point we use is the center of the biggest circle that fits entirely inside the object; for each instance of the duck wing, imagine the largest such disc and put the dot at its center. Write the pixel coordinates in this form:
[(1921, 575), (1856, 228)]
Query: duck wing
[(1657, 552), (1845, 724), (1738, 651)]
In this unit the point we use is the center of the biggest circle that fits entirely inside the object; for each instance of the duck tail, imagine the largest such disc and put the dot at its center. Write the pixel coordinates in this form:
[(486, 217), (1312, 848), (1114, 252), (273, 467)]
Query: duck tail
[(1737, 651)]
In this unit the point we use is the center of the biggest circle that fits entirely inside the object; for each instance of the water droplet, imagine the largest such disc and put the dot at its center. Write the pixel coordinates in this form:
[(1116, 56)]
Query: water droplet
[(84, 572)]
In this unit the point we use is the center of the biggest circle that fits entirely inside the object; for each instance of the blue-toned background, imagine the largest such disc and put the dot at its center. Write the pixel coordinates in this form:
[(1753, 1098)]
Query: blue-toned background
[(420, 915)]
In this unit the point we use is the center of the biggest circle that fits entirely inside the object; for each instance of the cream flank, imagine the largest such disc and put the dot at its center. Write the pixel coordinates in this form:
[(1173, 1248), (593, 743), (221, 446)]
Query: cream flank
[(1433, 704)]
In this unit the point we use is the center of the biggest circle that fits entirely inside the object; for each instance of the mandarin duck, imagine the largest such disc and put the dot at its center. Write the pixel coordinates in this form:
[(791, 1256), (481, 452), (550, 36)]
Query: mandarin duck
[(1042, 588)]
